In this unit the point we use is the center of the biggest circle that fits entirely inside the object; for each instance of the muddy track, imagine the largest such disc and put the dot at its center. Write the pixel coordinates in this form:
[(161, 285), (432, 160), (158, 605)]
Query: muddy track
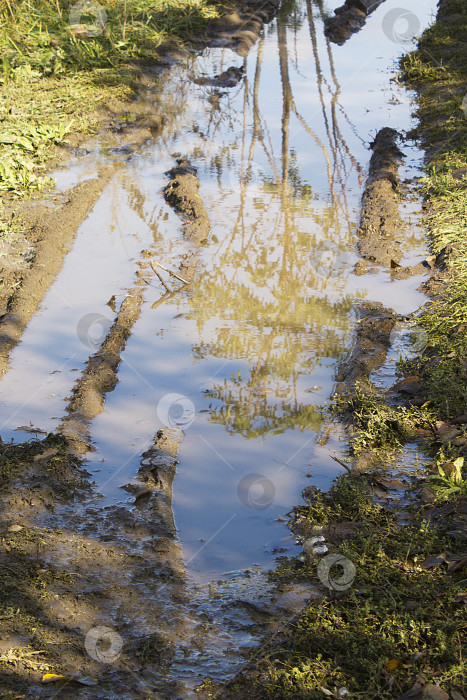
[(30, 268), (51, 233), (121, 567)]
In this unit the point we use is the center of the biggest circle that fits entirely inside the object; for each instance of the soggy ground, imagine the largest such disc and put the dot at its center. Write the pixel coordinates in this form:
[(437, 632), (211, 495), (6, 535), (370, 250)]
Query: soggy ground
[(196, 395)]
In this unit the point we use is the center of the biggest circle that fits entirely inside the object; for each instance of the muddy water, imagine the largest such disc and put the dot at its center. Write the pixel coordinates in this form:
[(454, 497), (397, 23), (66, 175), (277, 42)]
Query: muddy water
[(243, 359)]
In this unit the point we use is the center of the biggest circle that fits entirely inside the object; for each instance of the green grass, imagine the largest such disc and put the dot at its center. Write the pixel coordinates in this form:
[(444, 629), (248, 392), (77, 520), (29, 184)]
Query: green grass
[(53, 75), (397, 621)]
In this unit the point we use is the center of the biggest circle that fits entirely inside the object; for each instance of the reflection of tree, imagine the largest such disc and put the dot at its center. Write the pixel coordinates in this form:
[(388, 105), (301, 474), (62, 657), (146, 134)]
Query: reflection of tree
[(266, 301)]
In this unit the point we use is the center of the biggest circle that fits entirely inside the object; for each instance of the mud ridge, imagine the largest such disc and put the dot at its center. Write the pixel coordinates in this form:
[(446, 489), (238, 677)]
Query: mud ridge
[(182, 194), (51, 235), (240, 29), (369, 351), (100, 375), (349, 19)]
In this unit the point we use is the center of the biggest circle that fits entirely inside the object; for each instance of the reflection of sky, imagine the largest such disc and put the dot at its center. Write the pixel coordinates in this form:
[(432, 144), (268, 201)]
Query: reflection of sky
[(159, 359)]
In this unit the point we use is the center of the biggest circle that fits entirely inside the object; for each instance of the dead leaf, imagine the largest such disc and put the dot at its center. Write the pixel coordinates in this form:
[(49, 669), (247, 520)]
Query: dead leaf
[(394, 265), (15, 528), (461, 598), (58, 677), (427, 495), (415, 691), (393, 484), (446, 432), (392, 664), (51, 452), (436, 560), (455, 695), (435, 692), (86, 680), (52, 677), (457, 564)]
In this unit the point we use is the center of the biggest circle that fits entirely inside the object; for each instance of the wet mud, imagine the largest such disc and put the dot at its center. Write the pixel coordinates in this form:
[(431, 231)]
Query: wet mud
[(99, 376), (381, 228), (121, 567), (370, 348), (182, 194), (349, 19), (49, 233)]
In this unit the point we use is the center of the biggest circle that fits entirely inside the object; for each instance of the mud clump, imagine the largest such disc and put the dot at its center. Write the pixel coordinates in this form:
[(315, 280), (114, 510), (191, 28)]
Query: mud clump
[(348, 19), (380, 221), (182, 194), (227, 79), (370, 349), (239, 29)]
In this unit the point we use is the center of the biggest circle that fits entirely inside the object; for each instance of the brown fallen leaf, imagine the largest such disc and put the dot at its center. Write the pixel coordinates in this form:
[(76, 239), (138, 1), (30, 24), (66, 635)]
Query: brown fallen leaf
[(457, 564), (434, 561), (435, 692), (416, 691), (427, 495), (455, 695), (51, 452)]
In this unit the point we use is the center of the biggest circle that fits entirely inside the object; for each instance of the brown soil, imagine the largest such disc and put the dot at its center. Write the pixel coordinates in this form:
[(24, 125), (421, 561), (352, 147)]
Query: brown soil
[(380, 222), (182, 194), (50, 233), (349, 19), (99, 376)]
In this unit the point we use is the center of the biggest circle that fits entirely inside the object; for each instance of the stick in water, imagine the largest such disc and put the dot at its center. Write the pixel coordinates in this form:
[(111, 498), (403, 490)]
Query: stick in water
[(174, 274), (165, 285)]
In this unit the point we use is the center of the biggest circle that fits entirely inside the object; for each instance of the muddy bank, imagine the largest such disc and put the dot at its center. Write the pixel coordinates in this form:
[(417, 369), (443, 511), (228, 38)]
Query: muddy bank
[(182, 193), (49, 234), (99, 597)]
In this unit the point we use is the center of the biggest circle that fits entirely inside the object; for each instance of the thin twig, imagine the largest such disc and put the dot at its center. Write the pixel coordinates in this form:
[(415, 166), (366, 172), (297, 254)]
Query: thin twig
[(339, 461), (160, 278), (174, 274)]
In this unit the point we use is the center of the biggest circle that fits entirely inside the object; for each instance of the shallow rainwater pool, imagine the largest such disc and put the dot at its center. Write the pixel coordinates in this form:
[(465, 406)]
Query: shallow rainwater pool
[(244, 360)]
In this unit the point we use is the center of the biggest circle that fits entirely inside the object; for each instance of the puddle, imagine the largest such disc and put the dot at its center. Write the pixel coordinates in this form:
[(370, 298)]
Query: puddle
[(245, 358)]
